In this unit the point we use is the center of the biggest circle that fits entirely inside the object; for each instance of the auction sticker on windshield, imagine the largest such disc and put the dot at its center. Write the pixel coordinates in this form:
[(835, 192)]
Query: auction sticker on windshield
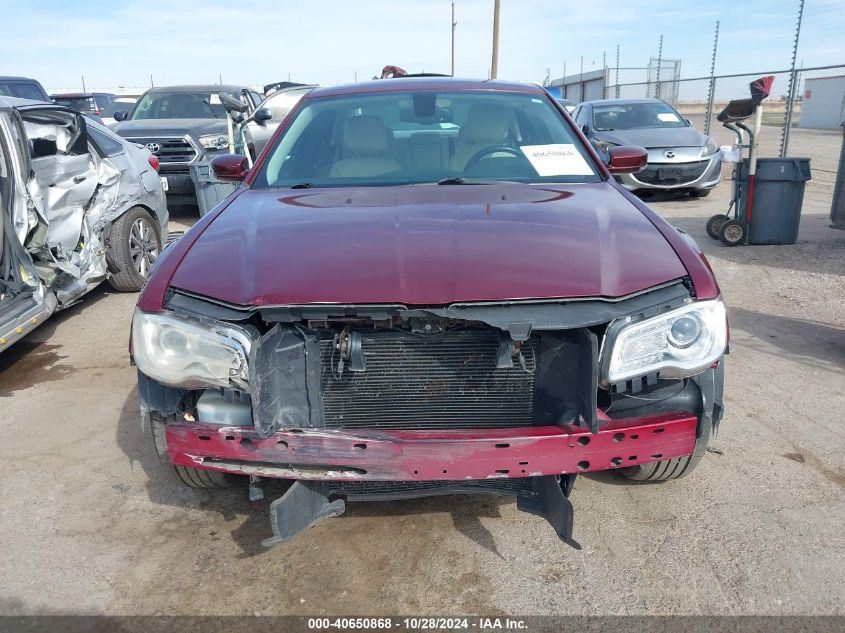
[(557, 160)]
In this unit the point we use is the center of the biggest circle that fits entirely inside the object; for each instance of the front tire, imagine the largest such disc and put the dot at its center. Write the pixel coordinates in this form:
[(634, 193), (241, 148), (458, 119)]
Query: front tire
[(700, 193), (134, 245), (672, 468), (192, 477)]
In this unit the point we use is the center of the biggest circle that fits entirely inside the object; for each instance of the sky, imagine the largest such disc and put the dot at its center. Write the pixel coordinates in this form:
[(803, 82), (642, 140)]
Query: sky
[(254, 42)]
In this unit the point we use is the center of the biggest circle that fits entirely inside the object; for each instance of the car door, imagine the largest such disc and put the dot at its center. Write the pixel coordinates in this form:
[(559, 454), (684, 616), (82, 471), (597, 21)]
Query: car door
[(64, 177)]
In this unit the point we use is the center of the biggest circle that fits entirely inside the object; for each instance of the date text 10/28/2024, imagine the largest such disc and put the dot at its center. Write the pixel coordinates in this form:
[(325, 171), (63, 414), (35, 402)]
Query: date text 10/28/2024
[(417, 624)]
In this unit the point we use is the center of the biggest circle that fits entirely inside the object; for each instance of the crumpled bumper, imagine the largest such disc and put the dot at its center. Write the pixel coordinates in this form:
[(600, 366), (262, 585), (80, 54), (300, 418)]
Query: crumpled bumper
[(380, 455)]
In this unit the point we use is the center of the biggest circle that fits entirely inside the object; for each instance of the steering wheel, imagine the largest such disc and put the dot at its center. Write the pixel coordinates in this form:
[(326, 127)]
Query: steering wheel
[(493, 149)]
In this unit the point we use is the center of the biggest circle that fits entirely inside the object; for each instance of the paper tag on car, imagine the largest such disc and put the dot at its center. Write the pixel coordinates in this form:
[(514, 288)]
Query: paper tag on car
[(556, 160), (215, 99), (668, 117)]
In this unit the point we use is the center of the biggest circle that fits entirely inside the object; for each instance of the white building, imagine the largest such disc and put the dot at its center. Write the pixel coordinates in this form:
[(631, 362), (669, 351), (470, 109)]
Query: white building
[(823, 104)]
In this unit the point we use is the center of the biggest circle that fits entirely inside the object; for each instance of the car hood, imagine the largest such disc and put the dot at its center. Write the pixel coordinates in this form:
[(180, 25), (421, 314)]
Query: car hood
[(163, 127), (426, 245), (655, 137)]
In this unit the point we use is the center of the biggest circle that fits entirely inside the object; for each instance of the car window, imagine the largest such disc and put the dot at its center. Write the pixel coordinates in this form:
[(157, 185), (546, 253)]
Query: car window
[(82, 104), (27, 91), (631, 116), (576, 113), (426, 136), (281, 103), (115, 105), (103, 101), (179, 105), (106, 145), (256, 98)]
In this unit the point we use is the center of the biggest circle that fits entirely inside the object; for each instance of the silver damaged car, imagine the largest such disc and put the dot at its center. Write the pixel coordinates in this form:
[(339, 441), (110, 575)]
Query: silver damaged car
[(78, 205), (680, 158)]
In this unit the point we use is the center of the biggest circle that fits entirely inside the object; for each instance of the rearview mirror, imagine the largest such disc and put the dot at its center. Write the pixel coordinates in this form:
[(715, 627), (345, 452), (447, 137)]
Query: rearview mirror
[(120, 115), (230, 167), (231, 104), (262, 115), (627, 159)]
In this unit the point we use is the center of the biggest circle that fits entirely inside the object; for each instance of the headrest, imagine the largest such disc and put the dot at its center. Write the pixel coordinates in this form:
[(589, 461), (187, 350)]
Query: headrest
[(366, 136), (487, 124)]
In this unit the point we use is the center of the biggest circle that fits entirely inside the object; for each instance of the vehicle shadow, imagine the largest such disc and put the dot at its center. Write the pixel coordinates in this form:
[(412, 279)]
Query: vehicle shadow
[(797, 337), (33, 359), (163, 488), (818, 250)]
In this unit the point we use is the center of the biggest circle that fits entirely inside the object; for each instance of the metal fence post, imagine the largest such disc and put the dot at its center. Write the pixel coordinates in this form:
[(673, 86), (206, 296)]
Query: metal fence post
[(617, 71), (787, 123), (659, 64), (712, 90)]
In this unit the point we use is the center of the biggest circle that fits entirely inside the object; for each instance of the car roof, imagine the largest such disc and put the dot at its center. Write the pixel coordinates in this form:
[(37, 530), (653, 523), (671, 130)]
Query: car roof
[(405, 84), (15, 102), (78, 95), (622, 101), (198, 88)]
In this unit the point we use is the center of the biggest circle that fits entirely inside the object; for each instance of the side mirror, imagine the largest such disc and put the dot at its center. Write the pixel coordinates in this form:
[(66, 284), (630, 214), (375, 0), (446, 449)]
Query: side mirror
[(688, 122), (627, 159), (230, 167), (585, 129), (262, 115), (120, 115), (231, 104)]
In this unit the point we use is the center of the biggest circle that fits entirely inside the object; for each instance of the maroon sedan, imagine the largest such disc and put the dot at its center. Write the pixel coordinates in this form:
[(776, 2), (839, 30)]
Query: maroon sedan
[(429, 286)]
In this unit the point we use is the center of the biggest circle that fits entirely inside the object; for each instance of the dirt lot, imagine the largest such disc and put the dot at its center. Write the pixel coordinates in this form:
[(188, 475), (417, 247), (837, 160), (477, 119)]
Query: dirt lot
[(95, 524)]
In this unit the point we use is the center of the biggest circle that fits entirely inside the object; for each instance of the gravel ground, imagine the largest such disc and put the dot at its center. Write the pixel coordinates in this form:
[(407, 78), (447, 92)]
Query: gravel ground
[(98, 526)]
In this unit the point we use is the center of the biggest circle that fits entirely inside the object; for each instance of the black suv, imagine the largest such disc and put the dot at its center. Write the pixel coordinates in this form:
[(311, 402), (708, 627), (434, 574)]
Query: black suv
[(182, 125), (23, 88)]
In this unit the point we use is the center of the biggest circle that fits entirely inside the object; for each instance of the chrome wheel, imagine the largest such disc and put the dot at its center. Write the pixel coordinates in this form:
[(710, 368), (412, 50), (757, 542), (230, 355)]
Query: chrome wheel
[(143, 246)]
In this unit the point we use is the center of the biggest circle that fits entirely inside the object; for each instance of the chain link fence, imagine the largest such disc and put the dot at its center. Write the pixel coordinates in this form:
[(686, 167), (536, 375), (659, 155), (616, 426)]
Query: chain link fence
[(814, 115)]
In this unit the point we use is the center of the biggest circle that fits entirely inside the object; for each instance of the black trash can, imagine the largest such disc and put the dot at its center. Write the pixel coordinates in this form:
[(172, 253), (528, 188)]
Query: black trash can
[(778, 197)]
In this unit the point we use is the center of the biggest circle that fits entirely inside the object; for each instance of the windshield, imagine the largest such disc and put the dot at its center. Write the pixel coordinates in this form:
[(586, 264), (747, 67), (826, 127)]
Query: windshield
[(82, 104), (179, 105), (423, 137), (632, 116)]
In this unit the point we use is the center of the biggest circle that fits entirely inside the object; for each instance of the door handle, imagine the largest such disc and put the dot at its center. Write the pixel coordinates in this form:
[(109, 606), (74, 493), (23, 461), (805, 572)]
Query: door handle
[(78, 179)]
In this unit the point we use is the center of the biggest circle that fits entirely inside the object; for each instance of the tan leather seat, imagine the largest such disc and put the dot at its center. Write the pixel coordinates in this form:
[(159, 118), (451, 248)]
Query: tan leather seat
[(486, 125), (365, 149)]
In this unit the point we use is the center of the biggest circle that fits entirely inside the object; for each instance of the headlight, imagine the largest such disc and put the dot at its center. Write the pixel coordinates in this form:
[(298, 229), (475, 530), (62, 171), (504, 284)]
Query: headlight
[(214, 141), (183, 353), (679, 343), (709, 148)]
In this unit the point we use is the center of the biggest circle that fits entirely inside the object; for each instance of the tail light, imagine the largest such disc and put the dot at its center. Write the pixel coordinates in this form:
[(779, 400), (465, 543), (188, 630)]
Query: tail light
[(154, 162)]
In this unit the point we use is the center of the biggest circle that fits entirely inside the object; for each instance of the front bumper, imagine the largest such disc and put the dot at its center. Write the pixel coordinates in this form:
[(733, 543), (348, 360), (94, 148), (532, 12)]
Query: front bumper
[(709, 178), (380, 455)]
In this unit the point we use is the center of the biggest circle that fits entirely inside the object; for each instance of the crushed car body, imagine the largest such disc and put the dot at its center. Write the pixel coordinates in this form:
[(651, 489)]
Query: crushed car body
[(429, 286), (79, 206)]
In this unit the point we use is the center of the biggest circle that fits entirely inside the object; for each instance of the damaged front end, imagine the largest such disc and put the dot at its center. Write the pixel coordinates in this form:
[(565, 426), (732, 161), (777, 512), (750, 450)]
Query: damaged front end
[(381, 402)]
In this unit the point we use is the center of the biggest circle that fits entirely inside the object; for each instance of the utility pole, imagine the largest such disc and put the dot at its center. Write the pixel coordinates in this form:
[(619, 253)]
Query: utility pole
[(784, 141), (712, 90), (152, 85), (454, 24), (494, 67), (220, 78), (83, 84)]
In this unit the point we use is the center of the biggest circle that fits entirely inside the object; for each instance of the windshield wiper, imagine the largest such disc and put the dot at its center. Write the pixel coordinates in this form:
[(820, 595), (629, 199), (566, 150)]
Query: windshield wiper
[(302, 185), (458, 180)]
